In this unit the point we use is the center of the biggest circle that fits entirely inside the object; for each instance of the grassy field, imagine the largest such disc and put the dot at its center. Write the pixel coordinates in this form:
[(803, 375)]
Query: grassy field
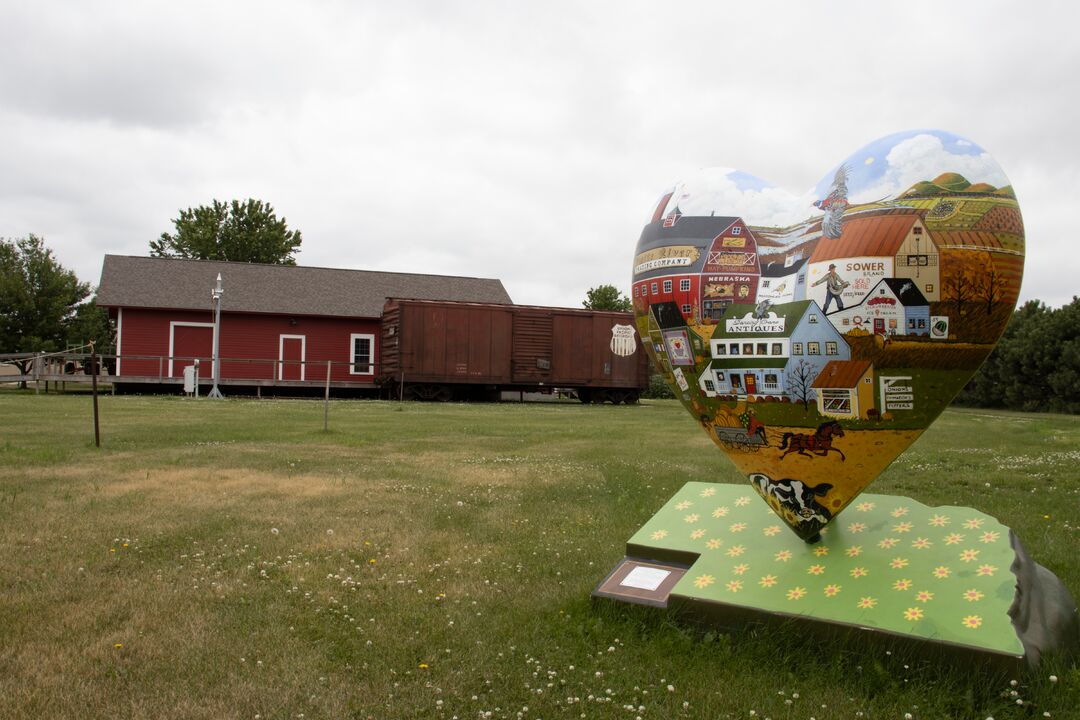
[(435, 561)]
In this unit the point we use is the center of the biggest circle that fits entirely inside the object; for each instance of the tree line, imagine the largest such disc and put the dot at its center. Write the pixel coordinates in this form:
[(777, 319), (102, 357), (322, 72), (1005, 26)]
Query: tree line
[(45, 308), (1034, 368)]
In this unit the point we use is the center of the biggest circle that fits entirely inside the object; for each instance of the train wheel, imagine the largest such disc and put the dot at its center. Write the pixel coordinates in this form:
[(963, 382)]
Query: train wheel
[(631, 397), (585, 396), (444, 393)]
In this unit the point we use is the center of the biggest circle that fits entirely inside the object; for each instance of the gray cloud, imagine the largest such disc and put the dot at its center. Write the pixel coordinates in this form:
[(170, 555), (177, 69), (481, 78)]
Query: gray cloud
[(527, 143)]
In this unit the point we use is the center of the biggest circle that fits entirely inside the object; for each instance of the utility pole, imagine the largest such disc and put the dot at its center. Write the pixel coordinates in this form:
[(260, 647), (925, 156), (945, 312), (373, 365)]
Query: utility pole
[(216, 360)]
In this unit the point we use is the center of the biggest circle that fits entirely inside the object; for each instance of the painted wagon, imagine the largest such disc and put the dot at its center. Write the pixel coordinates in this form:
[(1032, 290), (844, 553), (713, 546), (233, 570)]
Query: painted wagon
[(741, 438)]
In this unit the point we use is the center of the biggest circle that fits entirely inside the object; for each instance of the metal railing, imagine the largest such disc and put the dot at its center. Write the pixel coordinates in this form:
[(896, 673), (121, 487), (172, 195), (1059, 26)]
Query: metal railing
[(170, 369)]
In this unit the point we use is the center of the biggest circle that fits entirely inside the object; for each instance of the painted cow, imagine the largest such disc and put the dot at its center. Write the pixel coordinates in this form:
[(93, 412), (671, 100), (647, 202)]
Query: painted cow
[(795, 496)]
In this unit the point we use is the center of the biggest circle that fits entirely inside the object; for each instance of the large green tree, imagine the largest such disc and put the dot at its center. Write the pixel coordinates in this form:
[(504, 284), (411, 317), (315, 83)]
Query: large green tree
[(92, 324), (240, 232), (607, 297), (38, 298)]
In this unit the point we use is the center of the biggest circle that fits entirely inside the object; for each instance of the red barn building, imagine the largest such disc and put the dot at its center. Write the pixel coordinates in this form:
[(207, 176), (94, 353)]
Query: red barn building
[(280, 324), (702, 264)]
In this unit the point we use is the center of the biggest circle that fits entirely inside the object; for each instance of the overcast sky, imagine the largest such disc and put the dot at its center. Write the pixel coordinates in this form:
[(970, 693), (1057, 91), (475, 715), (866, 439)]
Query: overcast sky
[(523, 141)]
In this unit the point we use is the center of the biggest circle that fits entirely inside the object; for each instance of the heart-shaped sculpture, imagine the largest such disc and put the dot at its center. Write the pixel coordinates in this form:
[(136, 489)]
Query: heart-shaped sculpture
[(814, 338)]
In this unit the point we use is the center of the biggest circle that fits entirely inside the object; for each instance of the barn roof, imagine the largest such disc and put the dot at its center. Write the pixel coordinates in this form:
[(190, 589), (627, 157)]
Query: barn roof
[(841, 373), (792, 312), (904, 290), (869, 234), (776, 268), (149, 282)]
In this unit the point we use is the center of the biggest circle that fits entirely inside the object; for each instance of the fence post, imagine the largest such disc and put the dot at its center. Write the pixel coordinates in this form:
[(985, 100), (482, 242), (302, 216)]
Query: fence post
[(93, 385)]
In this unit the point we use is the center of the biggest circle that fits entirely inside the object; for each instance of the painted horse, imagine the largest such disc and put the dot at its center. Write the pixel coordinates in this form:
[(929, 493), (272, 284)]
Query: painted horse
[(820, 443)]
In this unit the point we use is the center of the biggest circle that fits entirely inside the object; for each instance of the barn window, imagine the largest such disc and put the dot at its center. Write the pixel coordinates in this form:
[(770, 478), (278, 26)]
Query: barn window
[(686, 309), (736, 230), (654, 288), (684, 285), (667, 286), (361, 351), (637, 291)]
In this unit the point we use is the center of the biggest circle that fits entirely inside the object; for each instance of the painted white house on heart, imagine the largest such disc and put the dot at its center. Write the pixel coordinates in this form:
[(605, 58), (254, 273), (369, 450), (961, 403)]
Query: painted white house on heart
[(754, 348), (782, 280), (894, 306)]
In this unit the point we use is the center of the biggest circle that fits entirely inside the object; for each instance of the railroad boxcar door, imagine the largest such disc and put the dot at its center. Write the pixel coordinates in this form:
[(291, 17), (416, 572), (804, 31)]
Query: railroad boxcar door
[(291, 352), (532, 346), (573, 349)]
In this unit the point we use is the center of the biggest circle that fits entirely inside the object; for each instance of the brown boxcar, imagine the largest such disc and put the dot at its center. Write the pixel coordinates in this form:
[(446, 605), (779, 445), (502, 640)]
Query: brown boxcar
[(441, 350)]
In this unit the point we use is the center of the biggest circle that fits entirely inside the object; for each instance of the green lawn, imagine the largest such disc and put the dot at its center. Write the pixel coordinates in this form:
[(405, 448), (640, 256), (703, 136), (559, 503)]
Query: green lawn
[(233, 560)]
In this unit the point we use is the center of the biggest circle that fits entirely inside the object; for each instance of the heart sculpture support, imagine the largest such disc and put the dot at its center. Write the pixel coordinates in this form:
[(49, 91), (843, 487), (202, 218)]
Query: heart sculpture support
[(949, 581), (815, 337)]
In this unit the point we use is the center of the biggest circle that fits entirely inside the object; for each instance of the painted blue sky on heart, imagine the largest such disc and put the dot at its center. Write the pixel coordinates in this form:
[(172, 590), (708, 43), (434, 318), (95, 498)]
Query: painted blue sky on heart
[(878, 165), (881, 170)]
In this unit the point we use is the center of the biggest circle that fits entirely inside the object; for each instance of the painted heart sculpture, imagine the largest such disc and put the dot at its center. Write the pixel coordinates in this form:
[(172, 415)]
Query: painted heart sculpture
[(814, 338)]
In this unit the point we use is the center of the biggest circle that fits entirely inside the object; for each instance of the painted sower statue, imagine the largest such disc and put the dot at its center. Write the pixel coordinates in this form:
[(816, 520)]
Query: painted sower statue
[(834, 285)]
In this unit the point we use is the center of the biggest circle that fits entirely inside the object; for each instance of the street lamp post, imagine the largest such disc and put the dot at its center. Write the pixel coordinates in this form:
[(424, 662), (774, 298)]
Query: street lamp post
[(215, 359)]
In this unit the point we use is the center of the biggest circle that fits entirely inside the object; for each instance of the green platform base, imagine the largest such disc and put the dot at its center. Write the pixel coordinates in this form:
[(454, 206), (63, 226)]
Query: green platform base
[(888, 565)]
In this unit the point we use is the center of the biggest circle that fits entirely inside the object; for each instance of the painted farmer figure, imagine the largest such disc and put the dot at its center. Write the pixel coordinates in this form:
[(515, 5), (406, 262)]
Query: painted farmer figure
[(834, 285)]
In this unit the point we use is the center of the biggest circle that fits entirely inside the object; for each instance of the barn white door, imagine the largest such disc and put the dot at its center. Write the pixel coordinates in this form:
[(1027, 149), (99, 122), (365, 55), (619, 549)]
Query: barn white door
[(292, 352)]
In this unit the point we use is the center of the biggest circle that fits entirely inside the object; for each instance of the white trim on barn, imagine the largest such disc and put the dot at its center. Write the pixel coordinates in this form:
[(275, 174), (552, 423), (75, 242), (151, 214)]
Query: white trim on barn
[(353, 354), (281, 354), (173, 324), (119, 336)]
